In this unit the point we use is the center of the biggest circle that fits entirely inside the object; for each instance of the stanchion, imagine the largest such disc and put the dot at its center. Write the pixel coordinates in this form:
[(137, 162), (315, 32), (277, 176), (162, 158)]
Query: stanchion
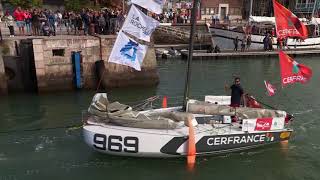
[(1, 35)]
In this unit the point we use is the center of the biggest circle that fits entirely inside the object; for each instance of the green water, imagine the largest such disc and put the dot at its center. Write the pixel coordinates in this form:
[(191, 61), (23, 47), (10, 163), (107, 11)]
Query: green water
[(61, 154)]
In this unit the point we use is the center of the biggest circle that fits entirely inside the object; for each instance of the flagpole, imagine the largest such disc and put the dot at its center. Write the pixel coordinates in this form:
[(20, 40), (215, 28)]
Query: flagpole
[(191, 41), (275, 21), (250, 12), (314, 8)]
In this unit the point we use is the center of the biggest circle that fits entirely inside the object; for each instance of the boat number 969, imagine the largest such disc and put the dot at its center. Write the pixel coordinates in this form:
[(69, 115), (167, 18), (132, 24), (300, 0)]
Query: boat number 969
[(116, 143)]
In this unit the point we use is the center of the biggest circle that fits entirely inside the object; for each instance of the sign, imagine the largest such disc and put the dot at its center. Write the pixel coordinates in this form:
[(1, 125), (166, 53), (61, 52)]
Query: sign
[(263, 124)]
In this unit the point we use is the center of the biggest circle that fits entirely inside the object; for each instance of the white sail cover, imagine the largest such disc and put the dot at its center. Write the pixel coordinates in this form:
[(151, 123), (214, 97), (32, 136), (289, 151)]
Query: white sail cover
[(128, 52), (139, 25), (151, 5), (265, 19)]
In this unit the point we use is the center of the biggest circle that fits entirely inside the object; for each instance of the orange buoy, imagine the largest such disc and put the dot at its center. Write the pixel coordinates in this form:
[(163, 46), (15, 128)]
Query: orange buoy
[(164, 102), (191, 158)]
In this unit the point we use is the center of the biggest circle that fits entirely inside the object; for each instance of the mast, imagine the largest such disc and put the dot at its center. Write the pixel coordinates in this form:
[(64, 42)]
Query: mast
[(191, 41), (314, 8), (250, 12)]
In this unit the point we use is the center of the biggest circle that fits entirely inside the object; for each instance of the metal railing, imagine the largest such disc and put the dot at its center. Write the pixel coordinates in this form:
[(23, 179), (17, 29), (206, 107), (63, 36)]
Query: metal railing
[(306, 7)]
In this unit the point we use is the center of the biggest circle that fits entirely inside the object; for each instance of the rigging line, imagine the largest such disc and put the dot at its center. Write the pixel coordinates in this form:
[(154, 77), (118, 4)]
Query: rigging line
[(70, 127), (100, 81)]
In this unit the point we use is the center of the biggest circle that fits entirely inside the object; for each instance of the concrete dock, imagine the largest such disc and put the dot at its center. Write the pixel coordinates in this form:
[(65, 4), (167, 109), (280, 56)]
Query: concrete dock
[(202, 54)]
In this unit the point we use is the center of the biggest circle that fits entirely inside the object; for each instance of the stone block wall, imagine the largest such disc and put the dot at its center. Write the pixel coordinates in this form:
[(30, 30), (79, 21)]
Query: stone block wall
[(3, 78), (55, 71)]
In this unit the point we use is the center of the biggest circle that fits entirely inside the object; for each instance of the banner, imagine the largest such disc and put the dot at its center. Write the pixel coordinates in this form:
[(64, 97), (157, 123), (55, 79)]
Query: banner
[(270, 88), (292, 71), (139, 25), (128, 52), (288, 24), (263, 124), (151, 5)]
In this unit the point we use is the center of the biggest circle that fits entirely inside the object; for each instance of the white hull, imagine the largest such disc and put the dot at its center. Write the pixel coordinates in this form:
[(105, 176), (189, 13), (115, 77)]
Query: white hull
[(257, 40), (123, 141), (162, 143), (147, 134)]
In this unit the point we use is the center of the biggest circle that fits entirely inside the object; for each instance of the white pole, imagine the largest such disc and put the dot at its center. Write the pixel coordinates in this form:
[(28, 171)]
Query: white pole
[(314, 8), (251, 3)]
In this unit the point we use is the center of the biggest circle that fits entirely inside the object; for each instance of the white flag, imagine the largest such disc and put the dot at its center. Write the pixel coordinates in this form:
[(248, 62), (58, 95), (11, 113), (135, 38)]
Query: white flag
[(139, 25), (152, 5), (128, 52)]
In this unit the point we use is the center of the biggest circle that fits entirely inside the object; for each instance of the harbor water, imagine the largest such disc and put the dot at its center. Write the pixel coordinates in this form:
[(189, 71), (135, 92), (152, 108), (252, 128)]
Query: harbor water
[(36, 143)]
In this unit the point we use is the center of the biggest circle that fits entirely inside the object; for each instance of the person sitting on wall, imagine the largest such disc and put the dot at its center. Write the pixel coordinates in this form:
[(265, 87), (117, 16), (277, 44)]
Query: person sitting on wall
[(210, 49), (217, 49)]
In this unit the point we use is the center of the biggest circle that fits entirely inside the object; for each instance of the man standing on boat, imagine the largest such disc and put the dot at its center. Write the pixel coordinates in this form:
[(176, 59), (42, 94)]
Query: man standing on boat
[(236, 93)]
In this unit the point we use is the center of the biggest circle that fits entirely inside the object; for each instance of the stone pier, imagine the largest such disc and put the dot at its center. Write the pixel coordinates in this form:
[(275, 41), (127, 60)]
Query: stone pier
[(54, 68), (3, 78)]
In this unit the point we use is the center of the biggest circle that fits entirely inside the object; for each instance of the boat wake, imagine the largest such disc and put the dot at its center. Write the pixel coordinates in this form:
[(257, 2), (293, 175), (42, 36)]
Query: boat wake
[(2, 157), (302, 112)]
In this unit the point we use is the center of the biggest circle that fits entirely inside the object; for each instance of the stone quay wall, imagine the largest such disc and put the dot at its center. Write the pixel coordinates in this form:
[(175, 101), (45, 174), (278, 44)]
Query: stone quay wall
[(54, 67), (3, 78)]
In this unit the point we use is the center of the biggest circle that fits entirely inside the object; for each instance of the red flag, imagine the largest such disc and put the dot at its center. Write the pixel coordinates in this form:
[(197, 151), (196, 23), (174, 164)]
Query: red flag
[(270, 88), (288, 24), (292, 72)]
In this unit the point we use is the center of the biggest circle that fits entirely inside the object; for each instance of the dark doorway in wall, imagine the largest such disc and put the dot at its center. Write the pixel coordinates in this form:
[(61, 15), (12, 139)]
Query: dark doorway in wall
[(28, 65)]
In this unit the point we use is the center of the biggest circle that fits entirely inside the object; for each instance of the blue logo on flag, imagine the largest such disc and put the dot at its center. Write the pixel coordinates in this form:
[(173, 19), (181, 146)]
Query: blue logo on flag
[(130, 50)]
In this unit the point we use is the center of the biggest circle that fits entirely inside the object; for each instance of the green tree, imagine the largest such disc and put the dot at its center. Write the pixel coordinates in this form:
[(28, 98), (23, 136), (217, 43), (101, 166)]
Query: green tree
[(76, 5), (25, 3)]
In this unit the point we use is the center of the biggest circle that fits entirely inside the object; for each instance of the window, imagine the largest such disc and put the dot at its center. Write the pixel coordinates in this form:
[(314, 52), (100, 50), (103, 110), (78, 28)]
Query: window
[(58, 52), (211, 10), (231, 10), (237, 11), (202, 11), (207, 11)]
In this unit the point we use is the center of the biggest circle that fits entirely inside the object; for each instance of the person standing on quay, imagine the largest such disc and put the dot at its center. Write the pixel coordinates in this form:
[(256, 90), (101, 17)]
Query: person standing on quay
[(28, 21), (248, 42), (235, 42), (9, 21), (19, 15)]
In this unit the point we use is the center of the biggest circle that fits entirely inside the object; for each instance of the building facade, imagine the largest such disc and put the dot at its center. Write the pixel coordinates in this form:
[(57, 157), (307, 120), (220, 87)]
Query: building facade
[(307, 8), (221, 9)]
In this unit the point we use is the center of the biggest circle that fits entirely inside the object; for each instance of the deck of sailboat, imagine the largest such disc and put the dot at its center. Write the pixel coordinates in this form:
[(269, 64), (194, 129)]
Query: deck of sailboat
[(213, 128)]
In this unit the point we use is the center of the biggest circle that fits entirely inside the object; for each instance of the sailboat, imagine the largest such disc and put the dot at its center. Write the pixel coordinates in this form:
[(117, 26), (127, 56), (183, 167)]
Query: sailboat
[(197, 128), (263, 25)]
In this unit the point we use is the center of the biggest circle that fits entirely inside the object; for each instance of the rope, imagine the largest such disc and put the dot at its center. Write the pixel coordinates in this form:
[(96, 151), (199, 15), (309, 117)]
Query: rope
[(69, 128), (100, 81)]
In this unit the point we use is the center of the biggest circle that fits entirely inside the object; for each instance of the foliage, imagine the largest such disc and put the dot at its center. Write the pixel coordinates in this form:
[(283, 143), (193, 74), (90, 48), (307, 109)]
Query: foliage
[(25, 3), (4, 48), (76, 5)]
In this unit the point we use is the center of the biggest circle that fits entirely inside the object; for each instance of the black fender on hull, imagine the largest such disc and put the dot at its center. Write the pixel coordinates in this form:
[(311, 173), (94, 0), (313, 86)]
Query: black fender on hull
[(101, 74)]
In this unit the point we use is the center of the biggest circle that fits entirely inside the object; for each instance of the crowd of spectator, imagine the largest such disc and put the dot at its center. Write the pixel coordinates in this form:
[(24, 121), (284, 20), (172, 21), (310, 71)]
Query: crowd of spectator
[(173, 17), (45, 22)]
